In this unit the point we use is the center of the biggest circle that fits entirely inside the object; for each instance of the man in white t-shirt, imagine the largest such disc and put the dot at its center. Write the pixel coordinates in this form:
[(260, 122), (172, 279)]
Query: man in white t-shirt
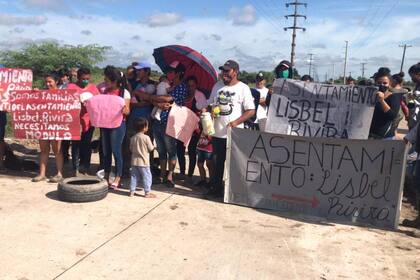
[(232, 104), (260, 86)]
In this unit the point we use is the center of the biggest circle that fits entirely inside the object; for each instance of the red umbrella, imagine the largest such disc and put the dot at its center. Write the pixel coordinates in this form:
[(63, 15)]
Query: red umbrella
[(195, 63)]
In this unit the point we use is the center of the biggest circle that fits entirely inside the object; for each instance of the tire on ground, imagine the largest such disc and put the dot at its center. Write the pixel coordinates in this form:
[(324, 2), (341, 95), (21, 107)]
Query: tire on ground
[(78, 189)]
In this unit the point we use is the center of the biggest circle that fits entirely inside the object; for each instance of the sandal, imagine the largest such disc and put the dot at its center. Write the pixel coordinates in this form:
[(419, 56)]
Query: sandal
[(150, 195), (39, 178), (55, 179), (115, 186), (170, 184)]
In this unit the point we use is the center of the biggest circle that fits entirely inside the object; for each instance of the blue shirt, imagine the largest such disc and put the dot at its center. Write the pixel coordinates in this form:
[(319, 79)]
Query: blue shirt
[(178, 93), (145, 111)]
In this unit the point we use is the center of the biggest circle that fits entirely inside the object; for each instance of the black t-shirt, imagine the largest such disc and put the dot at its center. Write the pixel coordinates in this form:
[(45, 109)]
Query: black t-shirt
[(381, 126)]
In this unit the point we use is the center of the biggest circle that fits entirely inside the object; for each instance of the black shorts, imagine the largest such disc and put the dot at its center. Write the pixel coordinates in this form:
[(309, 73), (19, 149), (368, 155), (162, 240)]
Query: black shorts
[(3, 122)]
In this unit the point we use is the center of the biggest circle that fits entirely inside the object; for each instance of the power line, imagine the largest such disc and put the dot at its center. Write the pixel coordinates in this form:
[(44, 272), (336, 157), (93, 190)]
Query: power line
[(295, 16), (267, 17)]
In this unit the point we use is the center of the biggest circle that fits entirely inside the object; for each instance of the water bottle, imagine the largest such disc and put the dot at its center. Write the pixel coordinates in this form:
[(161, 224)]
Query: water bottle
[(207, 123)]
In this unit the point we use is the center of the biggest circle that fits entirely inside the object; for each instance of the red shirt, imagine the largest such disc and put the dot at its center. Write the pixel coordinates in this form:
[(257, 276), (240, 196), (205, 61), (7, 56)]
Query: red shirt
[(84, 115), (204, 144)]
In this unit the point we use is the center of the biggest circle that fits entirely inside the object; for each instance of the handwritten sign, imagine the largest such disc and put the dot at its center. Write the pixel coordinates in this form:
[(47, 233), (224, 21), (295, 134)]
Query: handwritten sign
[(11, 80), (46, 115), (319, 110), (353, 181)]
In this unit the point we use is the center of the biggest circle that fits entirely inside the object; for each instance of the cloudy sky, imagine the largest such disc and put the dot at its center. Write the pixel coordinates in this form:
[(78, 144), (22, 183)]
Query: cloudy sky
[(250, 32)]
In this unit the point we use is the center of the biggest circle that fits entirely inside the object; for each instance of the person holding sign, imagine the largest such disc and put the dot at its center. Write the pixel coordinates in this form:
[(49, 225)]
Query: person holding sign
[(386, 108), (232, 105), (81, 150), (112, 138), (51, 82)]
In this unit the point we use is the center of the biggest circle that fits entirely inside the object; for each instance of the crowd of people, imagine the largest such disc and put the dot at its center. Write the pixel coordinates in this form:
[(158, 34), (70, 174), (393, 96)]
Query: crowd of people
[(232, 103)]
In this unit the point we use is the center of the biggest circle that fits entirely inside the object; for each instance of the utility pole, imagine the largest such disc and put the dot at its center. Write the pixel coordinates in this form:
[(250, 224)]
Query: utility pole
[(363, 69), (405, 46), (345, 62), (295, 16), (333, 73), (310, 63)]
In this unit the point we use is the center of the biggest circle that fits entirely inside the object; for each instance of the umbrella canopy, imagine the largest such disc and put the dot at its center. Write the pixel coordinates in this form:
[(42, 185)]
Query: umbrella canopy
[(195, 63)]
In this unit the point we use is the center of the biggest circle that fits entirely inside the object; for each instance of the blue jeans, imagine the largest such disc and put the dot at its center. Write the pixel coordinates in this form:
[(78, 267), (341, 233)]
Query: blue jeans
[(165, 144), (142, 175), (81, 151), (112, 139)]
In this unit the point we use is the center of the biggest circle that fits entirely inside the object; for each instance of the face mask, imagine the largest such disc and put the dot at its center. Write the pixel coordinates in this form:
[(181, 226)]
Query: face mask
[(85, 83), (285, 74)]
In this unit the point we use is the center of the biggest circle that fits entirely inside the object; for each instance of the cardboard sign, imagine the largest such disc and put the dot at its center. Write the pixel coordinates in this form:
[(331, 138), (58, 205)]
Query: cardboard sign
[(11, 80), (319, 110), (46, 114), (351, 181)]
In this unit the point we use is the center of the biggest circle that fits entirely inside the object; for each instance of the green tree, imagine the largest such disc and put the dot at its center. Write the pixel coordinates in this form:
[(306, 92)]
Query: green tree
[(48, 57)]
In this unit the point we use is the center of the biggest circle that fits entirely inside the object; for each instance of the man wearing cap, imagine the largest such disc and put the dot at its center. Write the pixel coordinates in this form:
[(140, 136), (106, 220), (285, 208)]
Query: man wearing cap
[(260, 86), (232, 105), (139, 106)]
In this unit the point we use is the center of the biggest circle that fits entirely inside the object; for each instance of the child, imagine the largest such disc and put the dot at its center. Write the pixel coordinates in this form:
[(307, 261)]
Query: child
[(141, 146), (162, 89), (204, 153)]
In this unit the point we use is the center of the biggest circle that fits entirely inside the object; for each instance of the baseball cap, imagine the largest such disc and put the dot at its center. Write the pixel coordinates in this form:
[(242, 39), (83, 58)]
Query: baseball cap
[(286, 64), (142, 65), (230, 64), (260, 76)]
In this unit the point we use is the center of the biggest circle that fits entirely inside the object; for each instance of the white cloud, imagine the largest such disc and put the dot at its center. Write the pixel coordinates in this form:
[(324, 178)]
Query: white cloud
[(243, 16), (180, 36), (52, 5), (86, 32), (10, 20), (263, 47), (163, 19)]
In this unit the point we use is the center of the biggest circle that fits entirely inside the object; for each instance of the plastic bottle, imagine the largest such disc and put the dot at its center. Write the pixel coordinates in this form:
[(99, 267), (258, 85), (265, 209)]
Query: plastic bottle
[(207, 123)]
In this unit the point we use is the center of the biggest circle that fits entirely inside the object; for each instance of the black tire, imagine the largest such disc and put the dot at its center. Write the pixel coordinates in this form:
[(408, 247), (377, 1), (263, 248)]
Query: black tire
[(78, 189)]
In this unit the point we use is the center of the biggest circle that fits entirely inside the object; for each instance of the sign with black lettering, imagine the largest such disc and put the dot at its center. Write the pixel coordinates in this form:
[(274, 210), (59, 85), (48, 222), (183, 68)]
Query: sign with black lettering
[(352, 181), (319, 110)]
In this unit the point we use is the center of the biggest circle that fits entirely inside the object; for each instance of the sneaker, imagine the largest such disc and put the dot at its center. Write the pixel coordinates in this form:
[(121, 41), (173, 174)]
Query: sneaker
[(55, 179)]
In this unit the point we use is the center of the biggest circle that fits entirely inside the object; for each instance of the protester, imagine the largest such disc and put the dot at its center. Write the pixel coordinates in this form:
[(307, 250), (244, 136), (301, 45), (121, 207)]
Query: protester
[(397, 82), (81, 151), (205, 154), (284, 70), (260, 85), (112, 138), (64, 75), (195, 101), (413, 98), (350, 81), (307, 78), (73, 74), (414, 137), (141, 146), (131, 77), (51, 83), (162, 89), (232, 106), (166, 145), (386, 108), (252, 122), (139, 107)]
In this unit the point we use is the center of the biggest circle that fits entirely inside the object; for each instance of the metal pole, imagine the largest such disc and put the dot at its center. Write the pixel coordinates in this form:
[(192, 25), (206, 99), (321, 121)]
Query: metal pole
[(405, 46), (310, 63), (345, 63)]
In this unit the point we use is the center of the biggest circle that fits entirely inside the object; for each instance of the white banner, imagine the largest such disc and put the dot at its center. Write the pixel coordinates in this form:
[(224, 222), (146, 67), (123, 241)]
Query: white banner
[(352, 181), (319, 110)]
